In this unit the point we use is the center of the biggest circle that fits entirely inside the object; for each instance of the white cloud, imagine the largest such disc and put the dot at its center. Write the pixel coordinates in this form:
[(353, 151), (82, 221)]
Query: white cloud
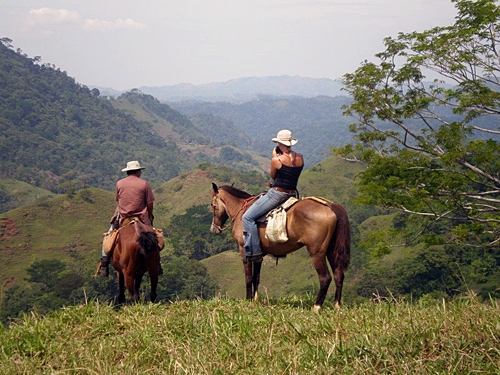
[(47, 16), (102, 25)]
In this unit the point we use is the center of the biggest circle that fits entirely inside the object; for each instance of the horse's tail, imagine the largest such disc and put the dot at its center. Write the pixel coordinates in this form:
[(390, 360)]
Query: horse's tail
[(340, 243), (148, 241)]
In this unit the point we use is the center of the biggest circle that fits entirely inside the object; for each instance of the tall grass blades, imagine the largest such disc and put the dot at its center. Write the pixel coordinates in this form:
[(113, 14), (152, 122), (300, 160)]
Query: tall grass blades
[(224, 336)]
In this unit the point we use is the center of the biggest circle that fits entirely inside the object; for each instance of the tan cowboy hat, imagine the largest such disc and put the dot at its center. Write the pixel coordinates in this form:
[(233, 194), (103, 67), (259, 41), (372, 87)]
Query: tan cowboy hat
[(132, 166), (285, 137)]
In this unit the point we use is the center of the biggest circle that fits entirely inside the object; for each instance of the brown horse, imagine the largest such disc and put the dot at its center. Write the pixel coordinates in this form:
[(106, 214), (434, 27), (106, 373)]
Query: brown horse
[(322, 228), (136, 252)]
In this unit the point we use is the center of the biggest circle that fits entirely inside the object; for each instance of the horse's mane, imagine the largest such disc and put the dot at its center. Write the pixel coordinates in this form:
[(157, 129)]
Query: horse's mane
[(236, 192)]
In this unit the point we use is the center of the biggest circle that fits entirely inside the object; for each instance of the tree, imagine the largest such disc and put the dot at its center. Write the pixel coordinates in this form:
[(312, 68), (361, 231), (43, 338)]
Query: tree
[(432, 150), (47, 272)]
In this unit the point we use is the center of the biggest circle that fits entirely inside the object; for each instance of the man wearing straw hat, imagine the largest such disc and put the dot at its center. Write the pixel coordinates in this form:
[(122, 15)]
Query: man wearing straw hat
[(135, 199)]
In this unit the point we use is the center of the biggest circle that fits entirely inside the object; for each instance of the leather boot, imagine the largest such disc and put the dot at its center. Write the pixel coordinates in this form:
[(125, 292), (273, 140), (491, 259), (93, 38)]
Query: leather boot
[(104, 267)]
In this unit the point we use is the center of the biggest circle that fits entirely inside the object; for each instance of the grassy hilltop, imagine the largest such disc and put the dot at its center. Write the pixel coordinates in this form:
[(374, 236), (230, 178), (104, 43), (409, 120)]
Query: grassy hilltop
[(223, 336)]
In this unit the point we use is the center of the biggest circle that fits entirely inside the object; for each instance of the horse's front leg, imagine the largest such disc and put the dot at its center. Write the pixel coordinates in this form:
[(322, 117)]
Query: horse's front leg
[(256, 278), (247, 266), (252, 279)]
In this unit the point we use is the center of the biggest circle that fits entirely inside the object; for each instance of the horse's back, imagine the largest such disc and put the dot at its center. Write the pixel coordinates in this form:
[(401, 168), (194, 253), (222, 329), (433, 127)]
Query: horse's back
[(309, 223), (308, 211), (135, 240)]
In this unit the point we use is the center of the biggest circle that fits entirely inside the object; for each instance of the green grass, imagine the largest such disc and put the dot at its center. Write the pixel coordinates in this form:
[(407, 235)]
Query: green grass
[(224, 336)]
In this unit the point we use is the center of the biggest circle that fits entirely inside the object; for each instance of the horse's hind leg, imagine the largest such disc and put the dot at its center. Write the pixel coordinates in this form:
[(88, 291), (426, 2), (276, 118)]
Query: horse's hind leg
[(153, 276), (339, 281), (325, 278), (137, 288), (338, 277), (153, 268), (131, 287), (121, 288)]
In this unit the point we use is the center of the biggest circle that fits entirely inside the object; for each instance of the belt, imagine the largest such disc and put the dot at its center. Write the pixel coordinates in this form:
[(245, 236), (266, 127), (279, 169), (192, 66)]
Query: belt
[(281, 190)]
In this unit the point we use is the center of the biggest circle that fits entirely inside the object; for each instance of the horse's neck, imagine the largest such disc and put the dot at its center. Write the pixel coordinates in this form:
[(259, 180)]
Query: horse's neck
[(234, 206)]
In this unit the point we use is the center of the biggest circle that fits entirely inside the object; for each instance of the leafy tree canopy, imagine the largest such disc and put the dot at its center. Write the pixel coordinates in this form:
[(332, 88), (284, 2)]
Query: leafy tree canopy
[(433, 150)]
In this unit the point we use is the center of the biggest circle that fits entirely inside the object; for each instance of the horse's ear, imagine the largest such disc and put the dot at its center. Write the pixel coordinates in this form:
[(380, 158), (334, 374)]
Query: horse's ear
[(216, 189)]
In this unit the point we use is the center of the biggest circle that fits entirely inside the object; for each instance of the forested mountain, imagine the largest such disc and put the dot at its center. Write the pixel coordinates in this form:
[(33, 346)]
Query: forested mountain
[(317, 122), (55, 133), (59, 135)]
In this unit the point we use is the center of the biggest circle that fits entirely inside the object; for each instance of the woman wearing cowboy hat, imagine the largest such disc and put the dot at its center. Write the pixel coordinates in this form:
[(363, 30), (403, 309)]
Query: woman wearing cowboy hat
[(286, 166)]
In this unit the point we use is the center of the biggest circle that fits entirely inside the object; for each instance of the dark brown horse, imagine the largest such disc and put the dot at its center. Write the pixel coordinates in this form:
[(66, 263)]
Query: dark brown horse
[(136, 253), (323, 228)]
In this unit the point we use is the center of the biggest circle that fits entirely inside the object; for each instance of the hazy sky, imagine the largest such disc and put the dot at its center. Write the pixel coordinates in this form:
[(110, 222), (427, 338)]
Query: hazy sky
[(125, 44)]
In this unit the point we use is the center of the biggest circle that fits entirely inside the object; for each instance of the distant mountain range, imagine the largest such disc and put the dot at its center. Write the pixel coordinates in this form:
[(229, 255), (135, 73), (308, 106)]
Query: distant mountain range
[(240, 89)]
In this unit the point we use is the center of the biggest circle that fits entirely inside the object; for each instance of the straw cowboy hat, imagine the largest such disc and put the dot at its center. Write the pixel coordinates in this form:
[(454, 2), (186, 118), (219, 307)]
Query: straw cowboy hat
[(285, 137), (132, 166)]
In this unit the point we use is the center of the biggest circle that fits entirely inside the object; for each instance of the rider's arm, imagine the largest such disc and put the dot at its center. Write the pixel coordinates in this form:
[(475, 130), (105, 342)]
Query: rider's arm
[(275, 165), (150, 212)]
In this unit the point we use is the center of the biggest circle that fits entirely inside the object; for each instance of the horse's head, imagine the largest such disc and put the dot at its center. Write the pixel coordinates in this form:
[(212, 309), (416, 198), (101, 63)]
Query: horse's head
[(220, 215)]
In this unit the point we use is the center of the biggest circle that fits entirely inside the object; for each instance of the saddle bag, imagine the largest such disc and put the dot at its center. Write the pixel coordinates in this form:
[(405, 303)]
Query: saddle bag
[(276, 222), (161, 238), (276, 225), (109, 241)]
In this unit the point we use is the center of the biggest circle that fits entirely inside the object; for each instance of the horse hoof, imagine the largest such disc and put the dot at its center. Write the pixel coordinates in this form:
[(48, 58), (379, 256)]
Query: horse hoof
[(316, 308)]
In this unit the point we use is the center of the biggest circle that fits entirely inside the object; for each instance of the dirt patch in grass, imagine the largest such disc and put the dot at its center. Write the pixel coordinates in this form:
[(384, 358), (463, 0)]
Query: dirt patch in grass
[(8, 229)]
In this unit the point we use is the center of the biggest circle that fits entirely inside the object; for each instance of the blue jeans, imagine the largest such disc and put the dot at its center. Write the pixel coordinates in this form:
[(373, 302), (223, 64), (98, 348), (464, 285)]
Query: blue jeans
[(262, 206)]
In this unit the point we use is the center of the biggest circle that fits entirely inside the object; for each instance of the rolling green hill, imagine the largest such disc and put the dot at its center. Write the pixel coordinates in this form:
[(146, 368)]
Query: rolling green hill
[(70, 225), (14, 193)]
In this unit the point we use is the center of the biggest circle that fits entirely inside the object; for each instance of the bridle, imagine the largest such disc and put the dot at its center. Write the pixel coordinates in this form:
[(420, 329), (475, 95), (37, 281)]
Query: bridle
[(214, 210), (242, 208)]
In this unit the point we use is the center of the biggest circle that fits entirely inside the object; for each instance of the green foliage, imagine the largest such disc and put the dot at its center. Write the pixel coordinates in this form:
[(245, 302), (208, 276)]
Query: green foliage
[(189, 234), (185, 278), (433, 150), (47, 272)]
